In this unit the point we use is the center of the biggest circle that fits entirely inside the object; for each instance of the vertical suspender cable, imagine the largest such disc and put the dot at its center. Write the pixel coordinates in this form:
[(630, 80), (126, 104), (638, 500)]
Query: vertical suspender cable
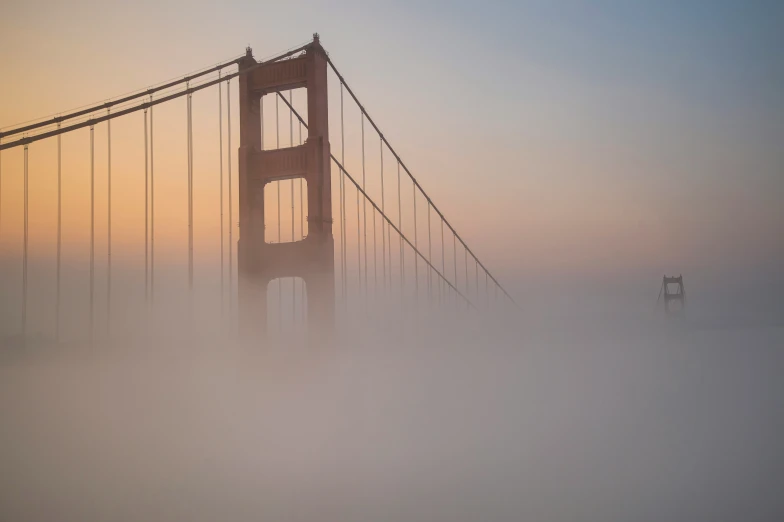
[(429, 254), (59, 233), (454, 258), (468, 286), (342, 206), (359, 252), (443, 254), (92, 227), (293, 279), (375, 259), (359, 242), (302, 221), (152, 208), (108, 225), (487, 289), (146, 216), (400, 227), (383, 212), (389, 253), (389, 249), (416, 245), (190, 198), (277, 146), (364, 200), (1, 190), (231, 214), (24, 249), (476, 277), (220, 174)]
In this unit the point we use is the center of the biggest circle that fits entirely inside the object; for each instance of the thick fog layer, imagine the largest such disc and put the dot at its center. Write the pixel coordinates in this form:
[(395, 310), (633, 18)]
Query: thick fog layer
[(438, 417)]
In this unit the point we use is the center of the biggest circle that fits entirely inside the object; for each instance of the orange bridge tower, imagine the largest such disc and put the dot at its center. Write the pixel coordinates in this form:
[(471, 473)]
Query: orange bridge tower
[(312, 257)]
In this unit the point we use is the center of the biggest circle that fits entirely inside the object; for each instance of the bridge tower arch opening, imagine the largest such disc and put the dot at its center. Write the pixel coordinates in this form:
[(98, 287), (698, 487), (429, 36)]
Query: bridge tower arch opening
[(285, 208), (312, 258)]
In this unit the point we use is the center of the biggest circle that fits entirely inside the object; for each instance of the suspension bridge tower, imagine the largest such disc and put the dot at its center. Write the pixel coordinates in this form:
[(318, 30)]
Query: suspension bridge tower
[(312, 257), (673, 291)]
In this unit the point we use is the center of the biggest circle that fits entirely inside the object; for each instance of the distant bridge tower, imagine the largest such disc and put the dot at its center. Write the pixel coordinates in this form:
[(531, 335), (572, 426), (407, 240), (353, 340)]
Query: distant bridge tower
[(312, 257), (672, 289)]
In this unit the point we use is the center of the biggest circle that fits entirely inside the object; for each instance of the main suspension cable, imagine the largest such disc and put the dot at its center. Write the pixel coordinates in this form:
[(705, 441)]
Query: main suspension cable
[(364, 111), (135, 108), (112, 103), (384, 217)]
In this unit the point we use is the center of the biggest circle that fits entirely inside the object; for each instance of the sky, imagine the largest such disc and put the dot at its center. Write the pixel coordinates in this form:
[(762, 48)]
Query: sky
[(568, 142)]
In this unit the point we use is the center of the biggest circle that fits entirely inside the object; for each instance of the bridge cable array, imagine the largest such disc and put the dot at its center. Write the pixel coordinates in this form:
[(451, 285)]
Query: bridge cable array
[(413, 179), (385, 219), (116, 109)]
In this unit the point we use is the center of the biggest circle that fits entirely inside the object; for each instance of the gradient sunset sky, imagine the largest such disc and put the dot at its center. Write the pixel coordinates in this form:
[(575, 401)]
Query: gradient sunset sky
[(569, 139)]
